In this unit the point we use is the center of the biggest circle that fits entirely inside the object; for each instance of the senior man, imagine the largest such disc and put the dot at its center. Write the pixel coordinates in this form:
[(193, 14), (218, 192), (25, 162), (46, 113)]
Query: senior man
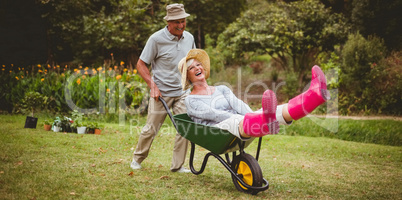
[(163, 51)]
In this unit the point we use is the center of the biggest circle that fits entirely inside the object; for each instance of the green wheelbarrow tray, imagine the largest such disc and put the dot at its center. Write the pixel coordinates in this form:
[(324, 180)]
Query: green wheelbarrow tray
[(214, 139), (245, 170)]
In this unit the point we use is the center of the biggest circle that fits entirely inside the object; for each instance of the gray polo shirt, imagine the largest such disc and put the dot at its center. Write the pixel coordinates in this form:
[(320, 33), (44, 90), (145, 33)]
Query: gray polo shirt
[(164, 51)]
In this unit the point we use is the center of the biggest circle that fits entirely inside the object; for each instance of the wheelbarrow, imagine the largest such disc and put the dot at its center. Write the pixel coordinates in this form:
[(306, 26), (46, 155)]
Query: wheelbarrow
[(243, 167)]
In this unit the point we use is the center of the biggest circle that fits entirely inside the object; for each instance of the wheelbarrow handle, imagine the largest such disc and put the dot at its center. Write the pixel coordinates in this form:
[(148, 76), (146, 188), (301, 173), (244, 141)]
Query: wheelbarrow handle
[(168, 111)]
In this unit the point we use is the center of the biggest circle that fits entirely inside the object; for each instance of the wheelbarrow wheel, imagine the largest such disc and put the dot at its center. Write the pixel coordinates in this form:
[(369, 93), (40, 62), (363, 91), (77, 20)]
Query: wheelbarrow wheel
[(247, 169)]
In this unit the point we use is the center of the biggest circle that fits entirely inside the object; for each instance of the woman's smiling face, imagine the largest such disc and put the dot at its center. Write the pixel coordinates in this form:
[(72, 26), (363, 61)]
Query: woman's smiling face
[(195, 72)]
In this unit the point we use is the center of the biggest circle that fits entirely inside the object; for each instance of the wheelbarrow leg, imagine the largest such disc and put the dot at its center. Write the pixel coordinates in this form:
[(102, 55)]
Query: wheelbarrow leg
[(228, 159)]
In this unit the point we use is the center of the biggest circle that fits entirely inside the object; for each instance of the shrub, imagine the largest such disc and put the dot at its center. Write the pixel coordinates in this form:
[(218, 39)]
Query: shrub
[(33, 101), (86, 88), (364, 76), (385, 85)]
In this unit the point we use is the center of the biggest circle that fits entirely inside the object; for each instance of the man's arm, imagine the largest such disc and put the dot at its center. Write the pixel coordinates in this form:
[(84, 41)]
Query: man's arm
[(146, 75)]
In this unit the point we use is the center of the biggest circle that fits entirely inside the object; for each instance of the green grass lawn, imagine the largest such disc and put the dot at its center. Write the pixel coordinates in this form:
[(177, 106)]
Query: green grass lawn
[(36, 164)]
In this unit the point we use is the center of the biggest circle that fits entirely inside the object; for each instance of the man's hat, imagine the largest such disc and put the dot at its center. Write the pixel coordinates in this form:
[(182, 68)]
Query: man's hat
[(175, 11)]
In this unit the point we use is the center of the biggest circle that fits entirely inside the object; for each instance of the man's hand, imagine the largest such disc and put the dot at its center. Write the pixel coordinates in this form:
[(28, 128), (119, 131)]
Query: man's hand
[(155, 92)]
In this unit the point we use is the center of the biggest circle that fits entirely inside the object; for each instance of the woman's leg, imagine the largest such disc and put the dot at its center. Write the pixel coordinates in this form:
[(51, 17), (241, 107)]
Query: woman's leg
[(282, 115), (309, 100), (241, 131), (263, 123), (234, 125)]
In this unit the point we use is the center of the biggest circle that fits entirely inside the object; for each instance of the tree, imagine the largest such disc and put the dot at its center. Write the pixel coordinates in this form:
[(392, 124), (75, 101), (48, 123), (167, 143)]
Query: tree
[(212, 17), (292, 33), (96, 28), (370, 82), (126, 29), (23, 35), (380, 18)]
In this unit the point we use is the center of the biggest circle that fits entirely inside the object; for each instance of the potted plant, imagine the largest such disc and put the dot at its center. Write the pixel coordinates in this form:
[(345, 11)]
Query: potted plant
[(56, 125), (91, 127), (66, 124), (47, 125), (94, 127), (98, 131), (32, 101), (78, 122), (80, 126)]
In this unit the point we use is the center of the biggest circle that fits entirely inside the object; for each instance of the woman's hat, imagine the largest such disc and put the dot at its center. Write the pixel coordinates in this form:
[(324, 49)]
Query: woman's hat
[(175, 11), (196, 54)]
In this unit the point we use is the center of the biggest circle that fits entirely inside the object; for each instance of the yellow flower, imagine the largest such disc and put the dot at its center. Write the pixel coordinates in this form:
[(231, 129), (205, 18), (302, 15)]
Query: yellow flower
[(84, 77), (42, 79), (108, 90), (22, 77), (118, 77), (39, 65), (125, 69), (86, 72), (80, 67), (121, 63), (79, 81), (40, 71), (99, 68), (58, 66), (17, 78), (4, 65), (62, 74), (3, 69), (75, 70), (115, 67), (135, 71), (86, 68)]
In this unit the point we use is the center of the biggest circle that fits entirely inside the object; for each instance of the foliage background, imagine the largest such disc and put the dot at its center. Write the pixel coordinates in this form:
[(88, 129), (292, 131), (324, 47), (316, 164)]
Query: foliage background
[(282, 39)]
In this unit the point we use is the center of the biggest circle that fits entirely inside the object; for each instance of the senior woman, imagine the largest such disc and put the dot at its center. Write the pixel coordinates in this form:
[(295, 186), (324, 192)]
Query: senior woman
[(218, 106)]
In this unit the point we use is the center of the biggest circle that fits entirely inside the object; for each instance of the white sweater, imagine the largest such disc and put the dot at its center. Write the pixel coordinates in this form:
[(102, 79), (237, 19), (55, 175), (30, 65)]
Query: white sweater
[(212, 109)]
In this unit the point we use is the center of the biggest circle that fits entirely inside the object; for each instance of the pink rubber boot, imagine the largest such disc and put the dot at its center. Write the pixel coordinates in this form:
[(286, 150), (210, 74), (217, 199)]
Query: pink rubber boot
[(316, 95), (260, 124)]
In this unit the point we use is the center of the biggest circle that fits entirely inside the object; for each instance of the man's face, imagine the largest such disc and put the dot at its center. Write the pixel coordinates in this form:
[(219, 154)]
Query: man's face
[(176, 27)]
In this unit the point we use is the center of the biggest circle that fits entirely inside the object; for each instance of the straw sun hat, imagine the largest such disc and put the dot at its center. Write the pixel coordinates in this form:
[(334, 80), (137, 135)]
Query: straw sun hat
[(175, 11), (196, 54)]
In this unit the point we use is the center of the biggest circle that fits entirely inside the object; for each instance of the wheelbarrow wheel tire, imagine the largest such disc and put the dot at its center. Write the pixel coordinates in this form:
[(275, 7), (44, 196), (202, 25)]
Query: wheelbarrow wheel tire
[(249, 171)]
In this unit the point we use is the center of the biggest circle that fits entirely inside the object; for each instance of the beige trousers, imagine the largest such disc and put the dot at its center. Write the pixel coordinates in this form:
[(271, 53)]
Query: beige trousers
[(155, 119)]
